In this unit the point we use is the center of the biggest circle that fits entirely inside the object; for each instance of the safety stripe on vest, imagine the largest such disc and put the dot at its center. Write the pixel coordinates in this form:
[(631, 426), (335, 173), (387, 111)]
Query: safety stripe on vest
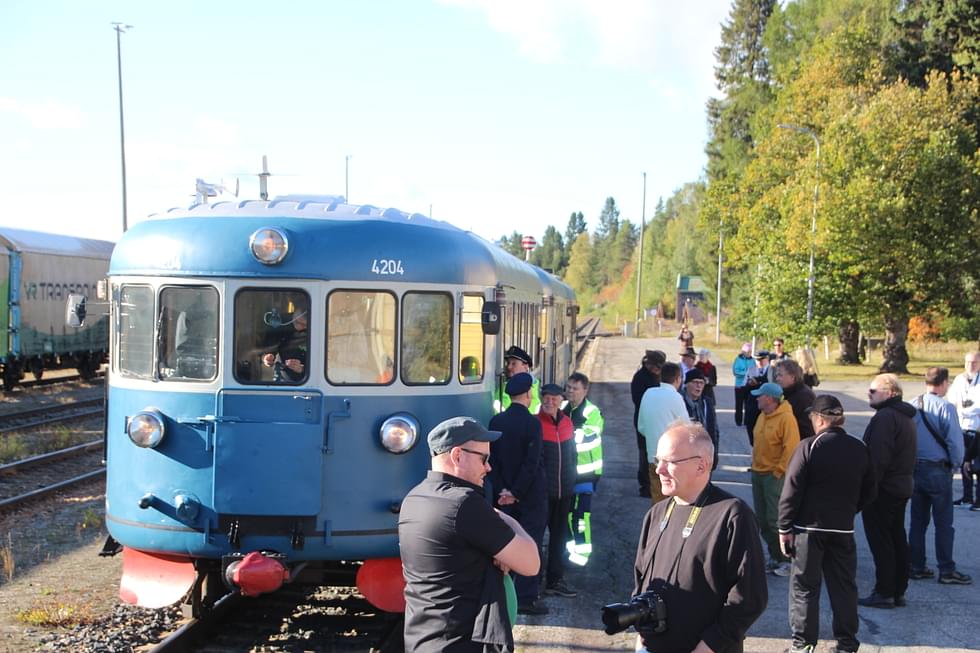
[(589, 467), (588, 446)]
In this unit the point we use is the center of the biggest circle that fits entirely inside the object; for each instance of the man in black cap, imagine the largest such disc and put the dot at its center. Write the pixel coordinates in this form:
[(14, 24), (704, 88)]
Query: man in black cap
[(700, 407), (455, 548), (828, 481), (517, 360), (517, 477), (648, 376)]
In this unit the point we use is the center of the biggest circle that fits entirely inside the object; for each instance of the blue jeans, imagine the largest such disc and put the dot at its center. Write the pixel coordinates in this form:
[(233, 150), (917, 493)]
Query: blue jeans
[(933, 491)]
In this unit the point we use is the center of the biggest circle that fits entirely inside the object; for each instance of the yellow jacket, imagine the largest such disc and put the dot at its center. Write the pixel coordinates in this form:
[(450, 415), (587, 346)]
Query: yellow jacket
[(775, 438)]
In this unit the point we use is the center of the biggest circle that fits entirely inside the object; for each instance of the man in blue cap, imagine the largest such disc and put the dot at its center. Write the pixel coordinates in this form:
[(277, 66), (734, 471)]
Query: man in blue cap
[(520, 487), (774, 441), (455, 548)]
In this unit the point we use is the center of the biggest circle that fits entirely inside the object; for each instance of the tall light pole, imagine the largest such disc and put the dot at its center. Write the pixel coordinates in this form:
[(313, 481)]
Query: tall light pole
[(639, 263), (721, 243), (347, 178), (813, 227), (120, 28)]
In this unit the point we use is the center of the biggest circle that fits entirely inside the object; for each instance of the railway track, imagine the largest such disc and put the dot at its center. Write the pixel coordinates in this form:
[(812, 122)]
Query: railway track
[(50, 414), (583, 334), (314, 619)]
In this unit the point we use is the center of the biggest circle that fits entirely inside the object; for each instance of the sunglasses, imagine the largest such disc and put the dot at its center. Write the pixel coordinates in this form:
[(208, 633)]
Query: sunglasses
[(484, 457)]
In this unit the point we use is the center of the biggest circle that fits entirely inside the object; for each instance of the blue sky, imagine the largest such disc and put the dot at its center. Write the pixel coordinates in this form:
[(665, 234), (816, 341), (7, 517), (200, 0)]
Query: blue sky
[(501, 115)]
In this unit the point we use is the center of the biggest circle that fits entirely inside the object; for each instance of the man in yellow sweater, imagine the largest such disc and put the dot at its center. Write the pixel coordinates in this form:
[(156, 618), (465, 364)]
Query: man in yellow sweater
[(775, 437)]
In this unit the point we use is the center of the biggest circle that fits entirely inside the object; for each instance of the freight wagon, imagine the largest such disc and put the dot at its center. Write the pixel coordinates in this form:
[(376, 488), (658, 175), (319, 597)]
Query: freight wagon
[(37, 273)]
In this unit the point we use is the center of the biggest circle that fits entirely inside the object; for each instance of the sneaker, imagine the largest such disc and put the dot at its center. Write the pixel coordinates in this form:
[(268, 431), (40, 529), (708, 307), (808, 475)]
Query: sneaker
[(975, 507), (900, 601), (796, 648), (875, 600), (955, 578), (782, 569), (532, 608), (962, 501), (919, 574), (560, 589)]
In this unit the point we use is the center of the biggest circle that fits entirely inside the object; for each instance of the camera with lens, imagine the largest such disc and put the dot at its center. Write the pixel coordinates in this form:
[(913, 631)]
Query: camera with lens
[(646, 611)]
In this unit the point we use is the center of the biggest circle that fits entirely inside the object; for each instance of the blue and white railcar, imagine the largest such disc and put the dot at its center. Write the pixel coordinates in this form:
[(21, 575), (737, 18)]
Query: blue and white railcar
[(276, 367)]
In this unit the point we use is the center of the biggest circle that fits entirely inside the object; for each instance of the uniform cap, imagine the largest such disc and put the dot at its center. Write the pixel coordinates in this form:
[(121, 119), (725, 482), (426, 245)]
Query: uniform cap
[(770, 389), (762, 353), (519, 384), (457, 431), (516, 352), (826, 405)]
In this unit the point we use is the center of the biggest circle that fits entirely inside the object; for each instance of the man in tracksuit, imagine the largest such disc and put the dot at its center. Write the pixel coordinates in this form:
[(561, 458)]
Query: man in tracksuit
[(588, 424), (828, 481)]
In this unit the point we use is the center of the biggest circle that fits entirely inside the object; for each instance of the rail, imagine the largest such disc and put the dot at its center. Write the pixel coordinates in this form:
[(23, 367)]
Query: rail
[(26, 419), (584, 333)]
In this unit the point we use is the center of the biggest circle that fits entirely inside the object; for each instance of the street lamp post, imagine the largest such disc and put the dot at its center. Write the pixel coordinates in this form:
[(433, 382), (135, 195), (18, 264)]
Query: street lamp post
[(639, 263), (120, 28), (721, 243), (347, 178), (813, 227)]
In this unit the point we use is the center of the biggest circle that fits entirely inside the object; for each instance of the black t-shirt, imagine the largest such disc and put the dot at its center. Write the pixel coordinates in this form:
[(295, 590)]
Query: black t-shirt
[(448, 535)]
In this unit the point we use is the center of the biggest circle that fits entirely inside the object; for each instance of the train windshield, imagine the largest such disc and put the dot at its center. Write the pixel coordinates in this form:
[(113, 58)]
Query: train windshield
[(427, 320), (188, 334), (134, 331), (272, 336), (360, 337)]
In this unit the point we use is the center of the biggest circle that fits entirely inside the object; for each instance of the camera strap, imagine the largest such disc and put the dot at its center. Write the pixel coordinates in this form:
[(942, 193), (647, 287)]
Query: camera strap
[(685, 533)]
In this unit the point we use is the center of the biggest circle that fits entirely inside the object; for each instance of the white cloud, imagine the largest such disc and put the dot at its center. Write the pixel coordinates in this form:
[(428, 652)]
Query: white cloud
[(534, 24), (45, 115)]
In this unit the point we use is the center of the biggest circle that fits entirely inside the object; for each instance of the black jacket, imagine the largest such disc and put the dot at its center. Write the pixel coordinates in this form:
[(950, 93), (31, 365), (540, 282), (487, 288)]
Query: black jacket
[(642, 380), (801, 397), (890, 437), (703, 412), (560, 457), (829, 480), (516, 459)]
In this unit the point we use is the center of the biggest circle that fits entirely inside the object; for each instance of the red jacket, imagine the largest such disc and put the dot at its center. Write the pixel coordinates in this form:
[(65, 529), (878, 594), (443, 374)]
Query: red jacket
[(559, 454)]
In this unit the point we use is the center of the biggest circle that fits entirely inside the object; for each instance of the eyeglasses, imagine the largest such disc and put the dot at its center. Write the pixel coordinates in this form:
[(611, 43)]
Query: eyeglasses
[(484, 457), (872, 391), (674, 463)]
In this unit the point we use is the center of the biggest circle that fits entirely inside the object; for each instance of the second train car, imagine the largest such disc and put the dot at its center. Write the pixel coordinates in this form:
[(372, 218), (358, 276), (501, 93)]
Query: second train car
[(276, 366)]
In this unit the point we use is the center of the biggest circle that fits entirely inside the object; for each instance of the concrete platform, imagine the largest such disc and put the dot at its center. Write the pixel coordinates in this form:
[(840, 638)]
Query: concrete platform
[(938, 617)]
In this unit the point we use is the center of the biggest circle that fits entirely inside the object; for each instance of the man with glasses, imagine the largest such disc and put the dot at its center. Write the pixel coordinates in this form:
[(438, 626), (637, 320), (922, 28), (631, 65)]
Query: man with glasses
[(517, 476), (455, 548), (890, 436), (964, 393), (699, 551)]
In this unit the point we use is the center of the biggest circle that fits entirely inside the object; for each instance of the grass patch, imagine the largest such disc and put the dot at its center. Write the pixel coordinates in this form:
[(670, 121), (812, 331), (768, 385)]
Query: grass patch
[(52, 612), (12, 448), (91, 519)]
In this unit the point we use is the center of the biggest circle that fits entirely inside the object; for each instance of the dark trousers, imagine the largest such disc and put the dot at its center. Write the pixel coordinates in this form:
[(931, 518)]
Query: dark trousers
[(831, 557), (643, 470), (968, 475), (884, 526), (558, 535), (740, 404), (532, 514)]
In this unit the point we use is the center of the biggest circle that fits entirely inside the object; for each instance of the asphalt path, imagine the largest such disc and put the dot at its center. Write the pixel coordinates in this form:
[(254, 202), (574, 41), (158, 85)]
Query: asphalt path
[(938, 617)]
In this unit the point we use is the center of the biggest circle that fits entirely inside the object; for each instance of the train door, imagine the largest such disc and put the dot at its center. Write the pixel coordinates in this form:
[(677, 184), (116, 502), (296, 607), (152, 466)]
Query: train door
[(269, 438)]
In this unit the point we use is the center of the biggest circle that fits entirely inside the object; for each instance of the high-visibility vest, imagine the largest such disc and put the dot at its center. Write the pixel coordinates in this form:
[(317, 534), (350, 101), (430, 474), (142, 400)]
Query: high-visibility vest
[(589, 424), (502, 399)]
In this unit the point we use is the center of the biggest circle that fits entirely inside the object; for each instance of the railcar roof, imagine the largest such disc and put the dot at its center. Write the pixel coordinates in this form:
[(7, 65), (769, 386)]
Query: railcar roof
[(39, 242), (328, 239)]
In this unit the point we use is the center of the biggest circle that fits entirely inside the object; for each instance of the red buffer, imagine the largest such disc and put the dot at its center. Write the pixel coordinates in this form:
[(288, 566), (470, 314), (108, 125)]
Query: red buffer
[(257, 574)]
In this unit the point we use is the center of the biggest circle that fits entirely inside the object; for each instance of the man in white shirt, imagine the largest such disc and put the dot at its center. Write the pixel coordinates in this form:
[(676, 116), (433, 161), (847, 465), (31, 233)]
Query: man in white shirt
[(964, 393), (660, 407)]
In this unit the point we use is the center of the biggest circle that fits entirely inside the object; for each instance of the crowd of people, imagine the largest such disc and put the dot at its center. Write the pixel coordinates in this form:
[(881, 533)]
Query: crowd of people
[(536, 472)]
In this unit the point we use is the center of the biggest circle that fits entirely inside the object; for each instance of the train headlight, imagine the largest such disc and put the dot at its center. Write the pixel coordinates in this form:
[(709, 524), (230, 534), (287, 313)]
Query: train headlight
[(399, 433), (269, 245), (146, 428)]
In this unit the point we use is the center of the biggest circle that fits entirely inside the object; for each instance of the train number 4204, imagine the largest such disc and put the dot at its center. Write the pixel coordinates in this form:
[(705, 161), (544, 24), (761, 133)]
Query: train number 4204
[(387, 266)]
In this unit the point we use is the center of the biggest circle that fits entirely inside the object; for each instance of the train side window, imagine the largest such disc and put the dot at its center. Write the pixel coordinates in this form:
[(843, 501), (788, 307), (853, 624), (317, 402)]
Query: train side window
[(272, 336), (188, 334), (427, 341), (134, 336), (471, 352), (361, 337)]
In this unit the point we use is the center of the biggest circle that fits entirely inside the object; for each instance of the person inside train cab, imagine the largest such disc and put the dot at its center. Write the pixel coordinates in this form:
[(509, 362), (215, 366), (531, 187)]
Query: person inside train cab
[(517, 361), (292, 345)]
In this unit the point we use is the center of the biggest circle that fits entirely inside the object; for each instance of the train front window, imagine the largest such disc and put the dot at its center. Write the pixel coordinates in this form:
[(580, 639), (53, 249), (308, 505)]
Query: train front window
[(134, 332), (427, 342), (360, 337), (187, 337), (272, 336), (471, 340)]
